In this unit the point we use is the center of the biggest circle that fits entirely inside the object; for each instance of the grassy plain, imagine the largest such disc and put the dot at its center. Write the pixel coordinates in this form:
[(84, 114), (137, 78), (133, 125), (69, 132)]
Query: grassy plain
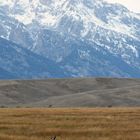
[(70, 124)]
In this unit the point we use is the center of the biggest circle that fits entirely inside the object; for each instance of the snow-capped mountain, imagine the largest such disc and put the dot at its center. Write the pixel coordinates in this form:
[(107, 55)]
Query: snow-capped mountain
[(84, 37)]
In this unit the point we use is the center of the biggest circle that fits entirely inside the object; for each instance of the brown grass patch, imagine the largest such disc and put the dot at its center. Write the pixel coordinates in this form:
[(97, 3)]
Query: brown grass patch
[(70, 124)]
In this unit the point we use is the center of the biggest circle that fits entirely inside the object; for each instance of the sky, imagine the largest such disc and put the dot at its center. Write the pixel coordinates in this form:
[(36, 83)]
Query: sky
[(133, 5)]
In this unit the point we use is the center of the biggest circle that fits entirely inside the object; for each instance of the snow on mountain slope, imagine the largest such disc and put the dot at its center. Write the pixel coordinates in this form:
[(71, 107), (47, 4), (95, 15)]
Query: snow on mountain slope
[(57, 29), (49, 12)]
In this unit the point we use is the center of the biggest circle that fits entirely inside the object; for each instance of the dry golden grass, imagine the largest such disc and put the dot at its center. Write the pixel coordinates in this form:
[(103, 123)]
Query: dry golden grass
[(70, 124)]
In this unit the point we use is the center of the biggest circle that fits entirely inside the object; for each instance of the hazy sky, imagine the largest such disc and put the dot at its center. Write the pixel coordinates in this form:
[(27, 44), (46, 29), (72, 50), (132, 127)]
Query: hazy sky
[(133, 5)]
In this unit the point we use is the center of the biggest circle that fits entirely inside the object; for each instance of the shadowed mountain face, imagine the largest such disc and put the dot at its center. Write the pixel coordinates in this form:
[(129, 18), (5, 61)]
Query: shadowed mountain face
[(5, 74), (84, 92), (18, 62)]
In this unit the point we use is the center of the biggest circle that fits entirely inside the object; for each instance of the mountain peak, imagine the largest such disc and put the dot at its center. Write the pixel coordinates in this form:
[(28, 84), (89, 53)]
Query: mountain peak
[(50, 12)]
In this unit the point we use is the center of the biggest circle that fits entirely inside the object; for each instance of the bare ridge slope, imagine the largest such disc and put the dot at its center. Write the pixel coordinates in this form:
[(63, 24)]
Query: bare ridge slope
[(79, 92)]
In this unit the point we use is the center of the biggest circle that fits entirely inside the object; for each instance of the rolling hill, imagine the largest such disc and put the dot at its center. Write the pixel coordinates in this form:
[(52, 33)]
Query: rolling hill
[(82, 92)]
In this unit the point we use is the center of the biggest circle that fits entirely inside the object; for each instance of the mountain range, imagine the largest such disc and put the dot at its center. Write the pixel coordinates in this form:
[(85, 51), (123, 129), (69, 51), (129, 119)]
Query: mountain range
[(68, 38)]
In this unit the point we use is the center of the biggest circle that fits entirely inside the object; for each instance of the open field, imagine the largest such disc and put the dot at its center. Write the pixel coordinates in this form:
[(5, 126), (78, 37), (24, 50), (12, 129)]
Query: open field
[(70, 124), (75, 92)]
